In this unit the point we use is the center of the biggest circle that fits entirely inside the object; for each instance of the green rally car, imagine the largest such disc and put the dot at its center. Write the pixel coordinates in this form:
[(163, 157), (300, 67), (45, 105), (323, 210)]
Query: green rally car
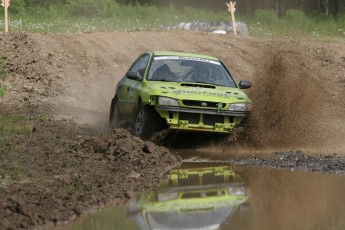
[(181, 91)]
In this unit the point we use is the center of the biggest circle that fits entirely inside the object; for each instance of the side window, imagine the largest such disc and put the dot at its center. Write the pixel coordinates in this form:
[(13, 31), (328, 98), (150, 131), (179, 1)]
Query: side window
[(140, 63)]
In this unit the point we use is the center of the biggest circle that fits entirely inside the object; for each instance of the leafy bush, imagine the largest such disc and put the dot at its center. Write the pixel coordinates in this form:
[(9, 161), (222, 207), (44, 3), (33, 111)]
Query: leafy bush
[(266, 17), (2, 91), (86, 8), (296, 15), (17, 6), (297, 19), (341, 20)]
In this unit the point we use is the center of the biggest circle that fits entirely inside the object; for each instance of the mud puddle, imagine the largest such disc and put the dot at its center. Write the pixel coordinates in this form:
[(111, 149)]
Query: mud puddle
[(222, 196)]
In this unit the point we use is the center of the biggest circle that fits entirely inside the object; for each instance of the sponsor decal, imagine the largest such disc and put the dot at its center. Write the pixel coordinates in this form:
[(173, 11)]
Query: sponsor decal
[(225, 95), (186, 58)]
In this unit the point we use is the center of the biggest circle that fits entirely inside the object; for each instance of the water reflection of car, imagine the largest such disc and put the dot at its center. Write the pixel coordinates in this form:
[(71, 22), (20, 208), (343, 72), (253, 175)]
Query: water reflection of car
[(193, 198), (167, 90)]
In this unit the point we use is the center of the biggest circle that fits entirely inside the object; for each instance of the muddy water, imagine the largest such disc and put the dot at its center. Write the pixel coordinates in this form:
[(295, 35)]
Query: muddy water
[(222, 196)]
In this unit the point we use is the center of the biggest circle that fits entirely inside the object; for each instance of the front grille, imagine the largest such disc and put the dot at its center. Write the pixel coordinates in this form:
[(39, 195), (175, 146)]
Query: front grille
[(192, 118), (189, 195), (210, 119), (205, 104)]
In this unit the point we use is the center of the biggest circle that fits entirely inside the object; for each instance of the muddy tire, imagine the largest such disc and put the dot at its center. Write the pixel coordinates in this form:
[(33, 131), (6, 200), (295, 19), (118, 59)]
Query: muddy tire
[(146, 122), (114, 117)]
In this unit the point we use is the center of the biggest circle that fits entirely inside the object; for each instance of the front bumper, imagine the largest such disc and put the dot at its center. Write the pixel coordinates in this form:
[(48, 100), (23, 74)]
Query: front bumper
[(200, 119)]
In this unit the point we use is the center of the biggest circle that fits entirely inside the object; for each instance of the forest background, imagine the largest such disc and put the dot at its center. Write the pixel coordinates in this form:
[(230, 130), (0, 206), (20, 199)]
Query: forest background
[(316, 18)]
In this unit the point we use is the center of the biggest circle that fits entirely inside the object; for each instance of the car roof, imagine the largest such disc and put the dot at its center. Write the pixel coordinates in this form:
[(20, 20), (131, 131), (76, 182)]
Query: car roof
[(182, 54)]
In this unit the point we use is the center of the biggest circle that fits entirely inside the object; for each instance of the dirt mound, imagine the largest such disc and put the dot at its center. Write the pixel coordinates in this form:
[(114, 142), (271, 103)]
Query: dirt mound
[(56, 179), (122, 146), (27, 80)]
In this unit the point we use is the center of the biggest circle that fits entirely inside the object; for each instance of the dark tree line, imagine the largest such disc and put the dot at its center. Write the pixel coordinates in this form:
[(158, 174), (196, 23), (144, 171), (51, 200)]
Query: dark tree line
[(247, 7)]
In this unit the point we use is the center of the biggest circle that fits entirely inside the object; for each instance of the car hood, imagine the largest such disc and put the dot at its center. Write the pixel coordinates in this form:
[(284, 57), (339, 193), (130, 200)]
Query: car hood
[(197, 91)]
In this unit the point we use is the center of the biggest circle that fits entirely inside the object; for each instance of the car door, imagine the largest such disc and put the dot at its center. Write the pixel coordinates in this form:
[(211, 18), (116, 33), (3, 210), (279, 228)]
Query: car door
[(132, 87)]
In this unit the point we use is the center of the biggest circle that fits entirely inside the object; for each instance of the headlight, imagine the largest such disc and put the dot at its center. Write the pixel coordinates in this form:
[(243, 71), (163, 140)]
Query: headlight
[(167, 101), (241, 107), (237, 191), (167, 196)]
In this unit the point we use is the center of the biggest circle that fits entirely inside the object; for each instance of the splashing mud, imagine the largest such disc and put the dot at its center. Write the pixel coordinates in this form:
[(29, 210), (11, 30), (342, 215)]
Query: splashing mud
[(296, 103), (288, 106)]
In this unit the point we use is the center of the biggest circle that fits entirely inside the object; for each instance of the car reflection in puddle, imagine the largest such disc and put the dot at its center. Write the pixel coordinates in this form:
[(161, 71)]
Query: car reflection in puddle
[(191, 198)]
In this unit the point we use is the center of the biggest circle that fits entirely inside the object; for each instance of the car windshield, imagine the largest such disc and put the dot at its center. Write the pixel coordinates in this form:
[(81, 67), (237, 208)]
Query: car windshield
[(189, 69)]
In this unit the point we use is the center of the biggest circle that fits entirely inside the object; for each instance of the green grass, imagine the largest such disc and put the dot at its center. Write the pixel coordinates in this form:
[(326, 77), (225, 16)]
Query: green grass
[(109, 15), (76, 184), (2, 75), (14, 124), (13, 129), (86, 17), (2, 90), (17, 125), (2, 64), (2, 192), (122, 17), (12, 168), (296, 23)]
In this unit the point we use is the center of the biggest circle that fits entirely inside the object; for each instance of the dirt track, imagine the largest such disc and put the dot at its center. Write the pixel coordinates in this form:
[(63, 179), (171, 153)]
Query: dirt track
[(298, 91)]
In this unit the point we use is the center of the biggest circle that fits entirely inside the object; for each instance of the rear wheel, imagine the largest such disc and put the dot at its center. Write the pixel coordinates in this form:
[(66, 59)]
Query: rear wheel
[(146, 122), (114, 117)]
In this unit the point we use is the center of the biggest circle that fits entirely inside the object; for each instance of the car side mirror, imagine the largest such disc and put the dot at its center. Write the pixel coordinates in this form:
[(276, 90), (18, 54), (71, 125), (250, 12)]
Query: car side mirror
[(245, 84), (134, 75)]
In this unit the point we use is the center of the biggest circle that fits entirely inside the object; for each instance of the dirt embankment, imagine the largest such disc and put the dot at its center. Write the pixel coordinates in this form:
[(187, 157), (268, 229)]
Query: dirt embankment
[(60, 169)]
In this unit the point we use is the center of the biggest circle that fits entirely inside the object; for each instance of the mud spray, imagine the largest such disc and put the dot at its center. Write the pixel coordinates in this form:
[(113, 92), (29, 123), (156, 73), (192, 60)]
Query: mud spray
[(288, 106), (290, 111)]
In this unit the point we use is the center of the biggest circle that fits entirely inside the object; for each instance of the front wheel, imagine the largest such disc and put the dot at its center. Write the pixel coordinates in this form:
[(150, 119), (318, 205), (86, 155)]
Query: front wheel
[(146, 122)]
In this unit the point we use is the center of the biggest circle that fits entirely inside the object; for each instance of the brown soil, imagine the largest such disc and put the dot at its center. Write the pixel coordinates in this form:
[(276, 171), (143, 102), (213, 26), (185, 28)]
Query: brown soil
[(64, 165)]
